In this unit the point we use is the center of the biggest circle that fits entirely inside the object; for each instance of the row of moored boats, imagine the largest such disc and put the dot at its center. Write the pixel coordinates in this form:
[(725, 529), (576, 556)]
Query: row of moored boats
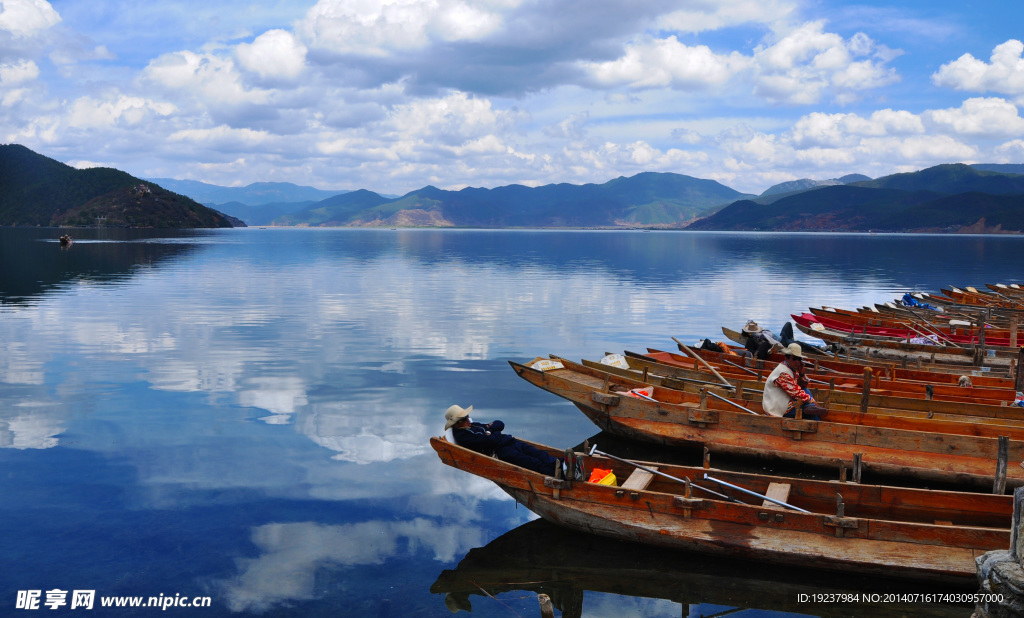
[(923, 399)]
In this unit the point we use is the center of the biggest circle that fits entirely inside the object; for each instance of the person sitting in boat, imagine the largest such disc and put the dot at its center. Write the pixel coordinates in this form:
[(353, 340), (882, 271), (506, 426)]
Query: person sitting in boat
[(785, 390), (489, 440), (760, 341)]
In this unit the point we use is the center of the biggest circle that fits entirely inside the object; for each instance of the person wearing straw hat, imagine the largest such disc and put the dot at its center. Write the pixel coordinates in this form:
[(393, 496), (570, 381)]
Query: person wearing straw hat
[(489, 440), (785, 390), (760, 341)]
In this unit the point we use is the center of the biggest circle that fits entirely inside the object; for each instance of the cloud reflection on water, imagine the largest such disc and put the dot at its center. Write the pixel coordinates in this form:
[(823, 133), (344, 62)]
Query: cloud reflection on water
[(291, 554)]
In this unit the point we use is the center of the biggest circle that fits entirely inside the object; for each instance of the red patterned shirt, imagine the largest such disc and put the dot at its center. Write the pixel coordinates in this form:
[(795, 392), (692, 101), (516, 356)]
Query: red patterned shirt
[(787, 382)]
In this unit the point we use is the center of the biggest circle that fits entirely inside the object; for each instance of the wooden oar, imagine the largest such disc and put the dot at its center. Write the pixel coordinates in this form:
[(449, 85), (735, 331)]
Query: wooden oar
[(687, 481), (754, 493), (685, 348), (733, 403), (752, 372), (947, 342)]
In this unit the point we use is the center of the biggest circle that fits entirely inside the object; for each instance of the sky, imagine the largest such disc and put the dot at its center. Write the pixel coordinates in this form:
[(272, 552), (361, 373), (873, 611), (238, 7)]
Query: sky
[(393, 95)]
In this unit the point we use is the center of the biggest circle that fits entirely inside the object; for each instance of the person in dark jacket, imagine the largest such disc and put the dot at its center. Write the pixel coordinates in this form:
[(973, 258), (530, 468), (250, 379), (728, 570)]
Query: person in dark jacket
[(489, 440)]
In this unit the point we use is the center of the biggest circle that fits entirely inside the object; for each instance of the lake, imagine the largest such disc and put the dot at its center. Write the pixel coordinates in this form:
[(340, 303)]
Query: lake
[(244, 414)]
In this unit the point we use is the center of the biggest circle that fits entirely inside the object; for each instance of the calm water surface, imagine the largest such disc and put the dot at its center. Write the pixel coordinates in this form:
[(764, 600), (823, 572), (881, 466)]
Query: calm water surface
[(245, 414)]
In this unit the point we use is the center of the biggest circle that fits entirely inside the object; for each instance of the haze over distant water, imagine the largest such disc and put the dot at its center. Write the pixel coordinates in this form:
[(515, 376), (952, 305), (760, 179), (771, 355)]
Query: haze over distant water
[(244, 413)]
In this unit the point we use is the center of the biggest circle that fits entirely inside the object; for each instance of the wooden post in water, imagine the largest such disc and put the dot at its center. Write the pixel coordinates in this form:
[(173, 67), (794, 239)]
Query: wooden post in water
[(1018, 381), (547, 610), (999, 486), (981, 347), (866, 393)]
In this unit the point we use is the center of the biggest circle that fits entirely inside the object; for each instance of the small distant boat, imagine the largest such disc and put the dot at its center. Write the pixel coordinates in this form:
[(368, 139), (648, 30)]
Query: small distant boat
[(65, 240)]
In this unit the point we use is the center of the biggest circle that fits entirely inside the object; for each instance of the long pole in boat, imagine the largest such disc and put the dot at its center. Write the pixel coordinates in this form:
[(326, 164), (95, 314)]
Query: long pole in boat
[(754, 493), (685, 348), (659, 473)]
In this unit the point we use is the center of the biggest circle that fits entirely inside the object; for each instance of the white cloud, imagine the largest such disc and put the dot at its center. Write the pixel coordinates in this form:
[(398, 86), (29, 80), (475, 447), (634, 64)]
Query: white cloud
[(204, 76), (273, 54), (24, 18), (19, 72), (799, 68), (981, 117), (88, 112), (660, 63), (1011, 151), (803, 64), (920, 151), (705, 15), (382, 27), (221, 137), (836, 130), (1004, 73)]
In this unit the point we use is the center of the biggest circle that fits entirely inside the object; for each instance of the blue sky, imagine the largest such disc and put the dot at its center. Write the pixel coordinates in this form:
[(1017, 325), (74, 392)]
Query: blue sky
[(392, 95)]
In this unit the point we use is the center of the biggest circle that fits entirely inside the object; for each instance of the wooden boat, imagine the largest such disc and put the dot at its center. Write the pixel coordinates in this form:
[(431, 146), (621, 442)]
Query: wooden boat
[(825, 377), (972, 296), (957, 330), (1012, 290), (962, 453), (920, 533), (882, 348), (902, 370), (993, 338), (543, 558), (850, 359), (848, 387), (679, 376)]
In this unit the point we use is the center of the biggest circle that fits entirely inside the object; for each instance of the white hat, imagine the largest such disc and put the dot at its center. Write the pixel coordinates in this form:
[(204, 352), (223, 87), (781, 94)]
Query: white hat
[(454, 414), (793, 349), (751, 327)]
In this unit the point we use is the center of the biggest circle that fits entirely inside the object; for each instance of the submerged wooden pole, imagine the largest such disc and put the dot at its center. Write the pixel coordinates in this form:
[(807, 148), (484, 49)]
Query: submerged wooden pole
[(866, 393), (547, 610), (999, 486), (1018, 381)]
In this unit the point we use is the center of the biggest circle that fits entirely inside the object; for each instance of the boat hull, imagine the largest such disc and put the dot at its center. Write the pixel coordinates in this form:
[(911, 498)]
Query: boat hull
[(666, 515)]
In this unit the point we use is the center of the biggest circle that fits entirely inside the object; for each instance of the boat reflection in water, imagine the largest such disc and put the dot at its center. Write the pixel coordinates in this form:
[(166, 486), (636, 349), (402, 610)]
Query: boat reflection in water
[(542, 558)]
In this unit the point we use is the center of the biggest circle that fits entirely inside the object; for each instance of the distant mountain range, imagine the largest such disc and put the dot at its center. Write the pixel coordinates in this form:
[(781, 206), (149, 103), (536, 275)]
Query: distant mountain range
[(36, 190), (648, 199), (258, 203), (39, 191), (255, 194), (944, 198)]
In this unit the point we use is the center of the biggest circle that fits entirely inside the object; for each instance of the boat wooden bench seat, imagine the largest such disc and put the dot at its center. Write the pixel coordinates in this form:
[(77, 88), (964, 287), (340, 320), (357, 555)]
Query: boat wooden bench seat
[(777, 491), (638, 480)]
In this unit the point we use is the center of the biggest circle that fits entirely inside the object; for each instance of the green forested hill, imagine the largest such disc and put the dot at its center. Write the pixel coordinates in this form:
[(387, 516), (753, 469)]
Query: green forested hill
[(36, 190), (944, 198), (950, 179)]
